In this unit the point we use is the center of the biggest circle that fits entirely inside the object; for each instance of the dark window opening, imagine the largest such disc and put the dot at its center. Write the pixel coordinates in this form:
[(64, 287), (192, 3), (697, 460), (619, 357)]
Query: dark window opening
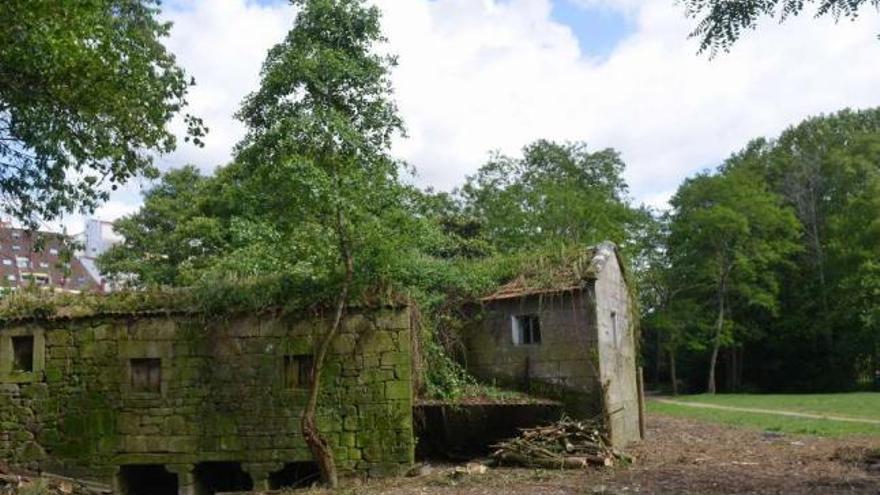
[(146, 375), (214, 477), (295, 475), (526, 330), (149, 479), (298, 371), (23, 354)]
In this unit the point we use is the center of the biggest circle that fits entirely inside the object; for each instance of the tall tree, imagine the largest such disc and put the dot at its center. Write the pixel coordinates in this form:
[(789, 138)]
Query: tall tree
[(722, 22), (319, 131), (86, 94), (728, 233)]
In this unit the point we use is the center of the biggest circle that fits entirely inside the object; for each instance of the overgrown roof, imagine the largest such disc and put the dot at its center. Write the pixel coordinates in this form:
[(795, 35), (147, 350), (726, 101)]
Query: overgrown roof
[(222, 298), (570, 273)]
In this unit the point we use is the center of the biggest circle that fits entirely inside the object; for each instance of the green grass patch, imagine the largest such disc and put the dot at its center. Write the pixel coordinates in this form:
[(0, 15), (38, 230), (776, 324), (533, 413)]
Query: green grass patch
[(856, 405), (847, 405)]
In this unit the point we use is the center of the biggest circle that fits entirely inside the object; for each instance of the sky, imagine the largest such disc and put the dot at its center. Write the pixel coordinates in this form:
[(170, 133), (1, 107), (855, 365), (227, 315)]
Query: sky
[(477, 76)]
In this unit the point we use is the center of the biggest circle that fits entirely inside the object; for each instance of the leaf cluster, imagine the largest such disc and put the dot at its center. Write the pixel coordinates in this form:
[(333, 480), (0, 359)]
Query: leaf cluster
[(86, 92), (722, 22)]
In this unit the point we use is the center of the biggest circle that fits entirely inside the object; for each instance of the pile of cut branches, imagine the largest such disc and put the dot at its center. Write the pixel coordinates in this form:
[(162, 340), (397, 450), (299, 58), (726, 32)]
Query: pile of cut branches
[(566, 444)]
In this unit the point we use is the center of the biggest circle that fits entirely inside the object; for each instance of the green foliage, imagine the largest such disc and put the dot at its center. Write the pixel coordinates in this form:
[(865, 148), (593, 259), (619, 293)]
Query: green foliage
[(730, 230), (175, 232), (214, 298), (315, 159), (555, 194), (722, 22), (86, 95), (728, 235), (804, 316)]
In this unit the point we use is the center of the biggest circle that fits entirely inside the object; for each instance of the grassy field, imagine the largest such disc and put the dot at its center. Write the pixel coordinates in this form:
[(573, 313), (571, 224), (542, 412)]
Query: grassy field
[(854, 405)]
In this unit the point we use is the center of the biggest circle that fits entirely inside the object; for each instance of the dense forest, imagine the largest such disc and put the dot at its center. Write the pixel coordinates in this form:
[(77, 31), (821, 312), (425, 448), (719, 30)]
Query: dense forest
[(769, 264)]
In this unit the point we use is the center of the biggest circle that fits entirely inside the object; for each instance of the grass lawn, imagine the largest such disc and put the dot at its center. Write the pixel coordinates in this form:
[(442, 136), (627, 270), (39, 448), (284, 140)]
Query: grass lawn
[(854, 405)]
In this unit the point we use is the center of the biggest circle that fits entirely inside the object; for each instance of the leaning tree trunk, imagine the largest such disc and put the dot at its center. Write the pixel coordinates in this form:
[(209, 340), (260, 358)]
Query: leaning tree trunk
[(716, 343), (673, 374), (321, 450)]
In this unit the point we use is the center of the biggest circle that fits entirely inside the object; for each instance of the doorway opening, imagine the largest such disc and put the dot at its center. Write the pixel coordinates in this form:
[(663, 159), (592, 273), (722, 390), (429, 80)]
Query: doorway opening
[(146, 479), (213, 477)]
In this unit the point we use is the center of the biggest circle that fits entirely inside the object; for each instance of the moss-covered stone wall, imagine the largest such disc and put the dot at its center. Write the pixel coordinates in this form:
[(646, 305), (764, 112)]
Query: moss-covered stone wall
[(224, 394)]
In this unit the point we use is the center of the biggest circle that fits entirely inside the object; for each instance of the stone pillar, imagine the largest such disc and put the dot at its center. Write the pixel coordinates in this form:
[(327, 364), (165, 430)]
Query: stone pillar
[(186, 480), (117, 482), (259, 473)]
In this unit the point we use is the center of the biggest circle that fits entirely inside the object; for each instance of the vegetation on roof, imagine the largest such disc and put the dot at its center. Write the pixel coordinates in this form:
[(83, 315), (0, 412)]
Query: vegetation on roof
[(566, 270), (217, 299)]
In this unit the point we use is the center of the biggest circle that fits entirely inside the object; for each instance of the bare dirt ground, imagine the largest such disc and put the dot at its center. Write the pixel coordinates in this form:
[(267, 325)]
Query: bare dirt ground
[(680, 457)]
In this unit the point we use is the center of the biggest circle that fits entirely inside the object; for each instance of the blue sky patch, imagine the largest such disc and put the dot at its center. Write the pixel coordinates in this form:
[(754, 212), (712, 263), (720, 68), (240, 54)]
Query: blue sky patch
[(599, 29)]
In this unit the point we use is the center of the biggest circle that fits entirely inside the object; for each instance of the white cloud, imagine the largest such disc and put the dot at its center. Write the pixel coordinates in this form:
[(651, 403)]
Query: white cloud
[(476, 76), (222, 43), (481, 75)]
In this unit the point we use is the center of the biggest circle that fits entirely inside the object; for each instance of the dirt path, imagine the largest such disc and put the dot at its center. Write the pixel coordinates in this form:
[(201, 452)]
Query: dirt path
[(681, 456), (776, 412)]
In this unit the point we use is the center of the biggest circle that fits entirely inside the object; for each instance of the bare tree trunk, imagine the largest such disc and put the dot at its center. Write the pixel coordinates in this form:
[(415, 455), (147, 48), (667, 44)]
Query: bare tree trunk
[(716, 344), (658, 357), (673, 374), (321, 450)]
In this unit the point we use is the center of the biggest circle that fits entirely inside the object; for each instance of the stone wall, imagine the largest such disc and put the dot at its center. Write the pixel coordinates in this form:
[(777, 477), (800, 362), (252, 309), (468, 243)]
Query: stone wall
[(617, 348), (564, 366), (225, 392)]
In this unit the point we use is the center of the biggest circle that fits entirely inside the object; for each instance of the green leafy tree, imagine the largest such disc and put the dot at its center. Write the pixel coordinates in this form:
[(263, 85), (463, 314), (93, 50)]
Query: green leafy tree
[(86, 92), (173, 236), (556, 193), (450, 232), (722, 22), (316, 157), (823, 168), (728, 233)]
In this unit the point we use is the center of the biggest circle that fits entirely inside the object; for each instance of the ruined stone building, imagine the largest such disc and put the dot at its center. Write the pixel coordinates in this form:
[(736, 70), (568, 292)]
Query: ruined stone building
[(565, 332), (162, 403)]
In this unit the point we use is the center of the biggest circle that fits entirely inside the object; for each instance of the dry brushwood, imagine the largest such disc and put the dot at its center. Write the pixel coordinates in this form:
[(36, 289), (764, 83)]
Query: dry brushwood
[(566, 444), (49, 484)]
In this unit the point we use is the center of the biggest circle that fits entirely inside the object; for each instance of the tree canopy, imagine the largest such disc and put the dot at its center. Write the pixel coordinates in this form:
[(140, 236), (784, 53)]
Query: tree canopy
[(722, 22), (86, 94), (728, 234), (556, 193), (802, 309)]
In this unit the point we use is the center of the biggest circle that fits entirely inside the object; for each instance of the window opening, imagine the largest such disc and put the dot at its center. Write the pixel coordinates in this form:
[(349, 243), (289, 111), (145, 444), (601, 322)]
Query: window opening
[(146, 375), (526, 330), (23, 354), (298, 371)]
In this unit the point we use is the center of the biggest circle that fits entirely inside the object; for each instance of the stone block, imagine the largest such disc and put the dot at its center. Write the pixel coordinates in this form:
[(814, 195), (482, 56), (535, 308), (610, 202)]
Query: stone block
[(398, 390)]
